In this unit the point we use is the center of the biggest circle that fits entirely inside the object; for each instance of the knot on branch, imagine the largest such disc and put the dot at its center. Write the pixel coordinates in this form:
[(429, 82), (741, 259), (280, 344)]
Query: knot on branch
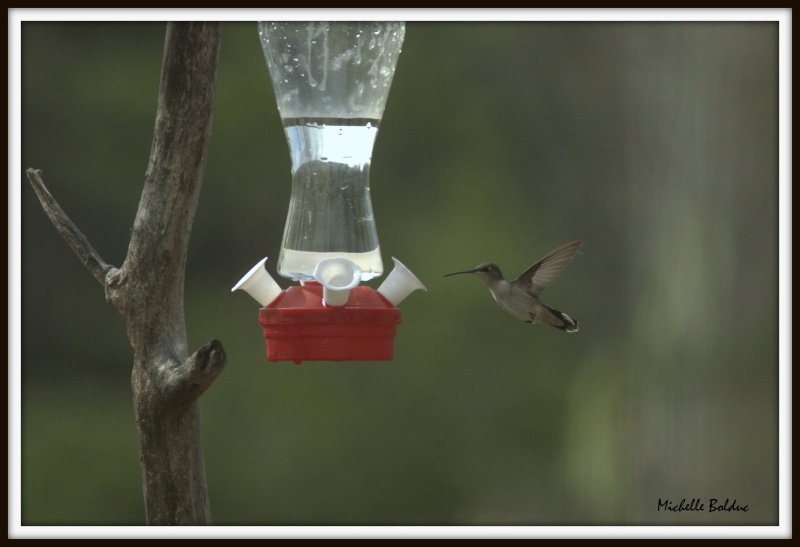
[(182, 385), (114, 283), (208, 360)]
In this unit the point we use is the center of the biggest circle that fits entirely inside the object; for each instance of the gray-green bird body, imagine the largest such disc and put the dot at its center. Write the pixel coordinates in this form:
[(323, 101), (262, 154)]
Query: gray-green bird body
[(520, 298)]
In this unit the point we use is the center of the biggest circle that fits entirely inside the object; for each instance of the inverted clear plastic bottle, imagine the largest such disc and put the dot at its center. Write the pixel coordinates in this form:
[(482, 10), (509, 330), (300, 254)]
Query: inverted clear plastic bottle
[(331, 81)]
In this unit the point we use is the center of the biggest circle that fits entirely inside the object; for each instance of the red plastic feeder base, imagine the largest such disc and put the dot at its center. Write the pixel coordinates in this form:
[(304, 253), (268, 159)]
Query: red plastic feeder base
[(299, 327)]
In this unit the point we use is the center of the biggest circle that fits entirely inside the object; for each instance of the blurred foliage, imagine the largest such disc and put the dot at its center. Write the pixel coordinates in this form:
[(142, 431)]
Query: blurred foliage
[(656, 143)]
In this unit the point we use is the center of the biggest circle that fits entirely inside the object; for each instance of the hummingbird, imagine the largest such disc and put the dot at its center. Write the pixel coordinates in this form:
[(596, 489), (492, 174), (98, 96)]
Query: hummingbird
[(520, 298)]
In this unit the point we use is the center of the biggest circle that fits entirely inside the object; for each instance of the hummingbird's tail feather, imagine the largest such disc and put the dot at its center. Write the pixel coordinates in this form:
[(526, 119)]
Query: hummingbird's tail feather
[(559, 320)]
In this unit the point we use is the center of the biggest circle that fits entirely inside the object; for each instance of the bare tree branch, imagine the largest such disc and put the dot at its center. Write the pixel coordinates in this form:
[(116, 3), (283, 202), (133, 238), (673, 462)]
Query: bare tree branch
[(148, 288), (166, 380), (66, 228)]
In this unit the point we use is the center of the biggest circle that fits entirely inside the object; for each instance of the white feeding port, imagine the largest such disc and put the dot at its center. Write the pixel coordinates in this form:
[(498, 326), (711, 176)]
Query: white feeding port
[(399, 284), (338, 276), (259, 284)]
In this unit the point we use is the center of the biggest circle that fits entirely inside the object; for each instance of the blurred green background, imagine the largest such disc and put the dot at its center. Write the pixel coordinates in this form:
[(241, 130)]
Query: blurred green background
[(655, 143)]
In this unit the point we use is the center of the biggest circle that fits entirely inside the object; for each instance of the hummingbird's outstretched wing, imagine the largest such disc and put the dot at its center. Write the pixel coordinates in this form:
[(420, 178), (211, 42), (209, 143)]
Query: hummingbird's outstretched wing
[(540, 275)]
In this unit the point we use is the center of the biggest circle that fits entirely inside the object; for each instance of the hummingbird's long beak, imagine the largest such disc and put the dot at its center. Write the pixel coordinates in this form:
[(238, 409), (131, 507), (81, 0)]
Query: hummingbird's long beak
[(462, 272)]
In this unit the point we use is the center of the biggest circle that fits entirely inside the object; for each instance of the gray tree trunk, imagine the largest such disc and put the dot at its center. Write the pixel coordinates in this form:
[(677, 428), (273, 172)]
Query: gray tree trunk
[(147, 289)]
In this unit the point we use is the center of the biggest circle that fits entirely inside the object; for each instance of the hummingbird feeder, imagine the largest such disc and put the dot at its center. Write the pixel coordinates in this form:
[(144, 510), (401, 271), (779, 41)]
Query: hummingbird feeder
[(331, 81)]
